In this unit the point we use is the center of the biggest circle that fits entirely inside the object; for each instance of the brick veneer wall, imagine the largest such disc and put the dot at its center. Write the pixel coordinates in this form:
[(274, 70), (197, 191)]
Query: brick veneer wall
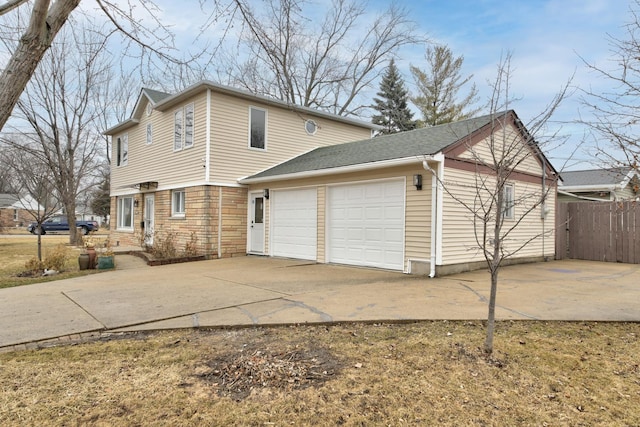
[(208, 210), (7, 221)]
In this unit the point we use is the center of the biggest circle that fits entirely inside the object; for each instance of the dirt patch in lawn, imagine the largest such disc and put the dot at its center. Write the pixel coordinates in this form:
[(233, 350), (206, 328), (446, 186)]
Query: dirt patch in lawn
[(427, 373)]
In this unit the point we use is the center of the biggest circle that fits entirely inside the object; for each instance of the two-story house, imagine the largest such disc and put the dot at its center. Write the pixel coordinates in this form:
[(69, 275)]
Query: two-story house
[(177, 161), (252, 175)]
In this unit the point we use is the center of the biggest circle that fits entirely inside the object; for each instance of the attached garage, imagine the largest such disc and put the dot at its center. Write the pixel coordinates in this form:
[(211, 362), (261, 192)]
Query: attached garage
[(365, 224), (294, 216)]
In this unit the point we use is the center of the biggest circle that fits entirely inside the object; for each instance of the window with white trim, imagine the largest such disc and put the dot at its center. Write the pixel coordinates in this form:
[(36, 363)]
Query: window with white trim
[(509, 202), (183, 127), (122, 150), (178, 198), (257, 128), (125, 213), (15, 215), (188, 126), (177, 130), (149, 133)]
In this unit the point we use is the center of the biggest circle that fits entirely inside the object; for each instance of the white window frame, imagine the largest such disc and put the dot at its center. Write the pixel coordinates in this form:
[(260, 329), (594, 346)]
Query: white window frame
[(178, 203), (122, 150), (189, 113), (508, 211), (183, 127), (149, 133), (16, 216), (121, 206), (264, 142), (178, 129)]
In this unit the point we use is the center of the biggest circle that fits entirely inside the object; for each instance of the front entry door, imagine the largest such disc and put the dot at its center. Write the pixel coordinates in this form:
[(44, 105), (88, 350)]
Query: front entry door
[(149, 207), (257, 224)]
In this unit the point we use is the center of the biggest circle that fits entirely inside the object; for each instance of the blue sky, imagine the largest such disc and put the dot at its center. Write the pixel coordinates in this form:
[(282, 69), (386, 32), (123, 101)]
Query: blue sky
[(547, 39)]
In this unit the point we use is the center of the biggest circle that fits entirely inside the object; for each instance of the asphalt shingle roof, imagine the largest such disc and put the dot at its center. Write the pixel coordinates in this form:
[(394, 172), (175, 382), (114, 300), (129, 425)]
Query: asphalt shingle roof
[(415, 143), (155, 95), (611, 176), (7, 200)]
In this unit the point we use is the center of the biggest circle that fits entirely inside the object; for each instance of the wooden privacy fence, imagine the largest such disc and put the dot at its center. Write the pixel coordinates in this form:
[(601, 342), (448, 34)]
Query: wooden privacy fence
[(598, 231)]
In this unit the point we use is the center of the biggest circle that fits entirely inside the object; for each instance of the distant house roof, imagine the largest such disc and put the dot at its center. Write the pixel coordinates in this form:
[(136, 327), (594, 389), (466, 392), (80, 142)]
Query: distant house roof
[(7, 200), (15, 202), (410, 145), (597, 179)]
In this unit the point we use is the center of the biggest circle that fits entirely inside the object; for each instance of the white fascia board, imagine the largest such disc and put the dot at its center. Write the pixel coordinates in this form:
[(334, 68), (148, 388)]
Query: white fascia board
[(332, 171), (121, 127), (583, 188), (131, 189)]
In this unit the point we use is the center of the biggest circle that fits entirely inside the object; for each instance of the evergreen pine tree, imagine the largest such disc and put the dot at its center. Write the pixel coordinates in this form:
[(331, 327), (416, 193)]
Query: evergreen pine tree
[(392, 103), (438, 89)]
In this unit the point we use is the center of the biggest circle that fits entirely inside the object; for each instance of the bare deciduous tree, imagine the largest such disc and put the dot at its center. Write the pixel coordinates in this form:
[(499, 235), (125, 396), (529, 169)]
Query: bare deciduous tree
[(315, 60), (31, 182), (615, 118), (60, 110), (438, 88), (505, 195)]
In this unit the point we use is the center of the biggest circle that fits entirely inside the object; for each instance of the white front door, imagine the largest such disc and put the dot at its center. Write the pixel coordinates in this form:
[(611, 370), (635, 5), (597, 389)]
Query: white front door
[(149, 208), (256, 227)]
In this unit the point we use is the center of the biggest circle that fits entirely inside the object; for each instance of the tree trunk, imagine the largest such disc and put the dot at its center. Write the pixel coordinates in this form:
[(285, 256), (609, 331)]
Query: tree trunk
[(44, 25), (491, 318)]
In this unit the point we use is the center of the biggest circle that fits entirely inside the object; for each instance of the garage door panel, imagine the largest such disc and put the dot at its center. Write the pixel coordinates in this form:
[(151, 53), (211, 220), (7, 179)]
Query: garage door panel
[(372, 233), (294, 223)]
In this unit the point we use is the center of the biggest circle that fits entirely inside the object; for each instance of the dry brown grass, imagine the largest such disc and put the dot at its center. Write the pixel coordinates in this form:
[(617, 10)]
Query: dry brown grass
[(431, 373), (15, 251)]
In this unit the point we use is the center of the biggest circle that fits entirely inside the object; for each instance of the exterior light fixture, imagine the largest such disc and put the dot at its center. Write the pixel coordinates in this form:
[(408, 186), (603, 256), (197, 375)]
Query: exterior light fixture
[(136, 203), (417, 181), (266, 193)]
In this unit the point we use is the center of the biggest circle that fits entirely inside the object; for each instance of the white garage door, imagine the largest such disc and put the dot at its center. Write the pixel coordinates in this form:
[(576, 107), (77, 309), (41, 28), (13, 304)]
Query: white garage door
[(366, 224), (294, 224)]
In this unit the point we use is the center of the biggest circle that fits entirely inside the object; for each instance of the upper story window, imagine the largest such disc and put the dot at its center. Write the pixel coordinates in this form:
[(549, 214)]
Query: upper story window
[(257, 128), (122, 150), (183, 128), (509, 202), (311, 127), (149, 134)]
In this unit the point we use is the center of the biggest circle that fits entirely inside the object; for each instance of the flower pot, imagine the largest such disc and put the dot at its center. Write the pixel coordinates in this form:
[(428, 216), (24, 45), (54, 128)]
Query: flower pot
[(92, 258), (106, 262), (83, 261)]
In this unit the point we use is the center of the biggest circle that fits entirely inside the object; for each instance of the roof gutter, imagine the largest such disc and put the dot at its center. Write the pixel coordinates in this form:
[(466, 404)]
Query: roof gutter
[(331, 171), (437, 178)]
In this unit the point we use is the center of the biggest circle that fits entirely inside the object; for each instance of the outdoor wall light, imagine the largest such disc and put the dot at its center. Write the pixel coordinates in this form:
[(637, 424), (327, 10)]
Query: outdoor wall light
[(136, 203), (266, 193), (417, 181)]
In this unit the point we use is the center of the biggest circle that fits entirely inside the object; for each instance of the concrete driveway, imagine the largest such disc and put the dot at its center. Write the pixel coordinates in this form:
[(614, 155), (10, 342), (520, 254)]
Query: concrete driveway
[(264, 291)]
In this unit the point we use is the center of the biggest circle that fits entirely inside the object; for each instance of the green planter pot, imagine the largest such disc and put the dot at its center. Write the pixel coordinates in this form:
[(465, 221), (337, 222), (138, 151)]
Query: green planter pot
[(106, 262)]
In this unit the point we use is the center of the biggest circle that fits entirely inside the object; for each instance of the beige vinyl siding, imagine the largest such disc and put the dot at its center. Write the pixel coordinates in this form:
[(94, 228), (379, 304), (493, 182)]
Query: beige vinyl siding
[(158, 161), (417, 211), (231, 157), (458, 231), (483, 150), (626, 193)]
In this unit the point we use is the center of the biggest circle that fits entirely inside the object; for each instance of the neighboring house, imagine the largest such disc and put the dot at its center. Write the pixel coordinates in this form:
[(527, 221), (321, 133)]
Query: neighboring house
[(176, 162), (376, 202), (612, 184), (16, 211)]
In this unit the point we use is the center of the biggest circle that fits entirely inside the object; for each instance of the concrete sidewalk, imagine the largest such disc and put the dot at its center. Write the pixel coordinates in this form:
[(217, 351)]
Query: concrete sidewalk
[(265, 291)]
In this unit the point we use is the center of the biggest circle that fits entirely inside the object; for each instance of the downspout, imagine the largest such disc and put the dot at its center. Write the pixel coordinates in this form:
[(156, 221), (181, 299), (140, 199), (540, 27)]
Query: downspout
[(207, 172), (436, 210), (543, 214)]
